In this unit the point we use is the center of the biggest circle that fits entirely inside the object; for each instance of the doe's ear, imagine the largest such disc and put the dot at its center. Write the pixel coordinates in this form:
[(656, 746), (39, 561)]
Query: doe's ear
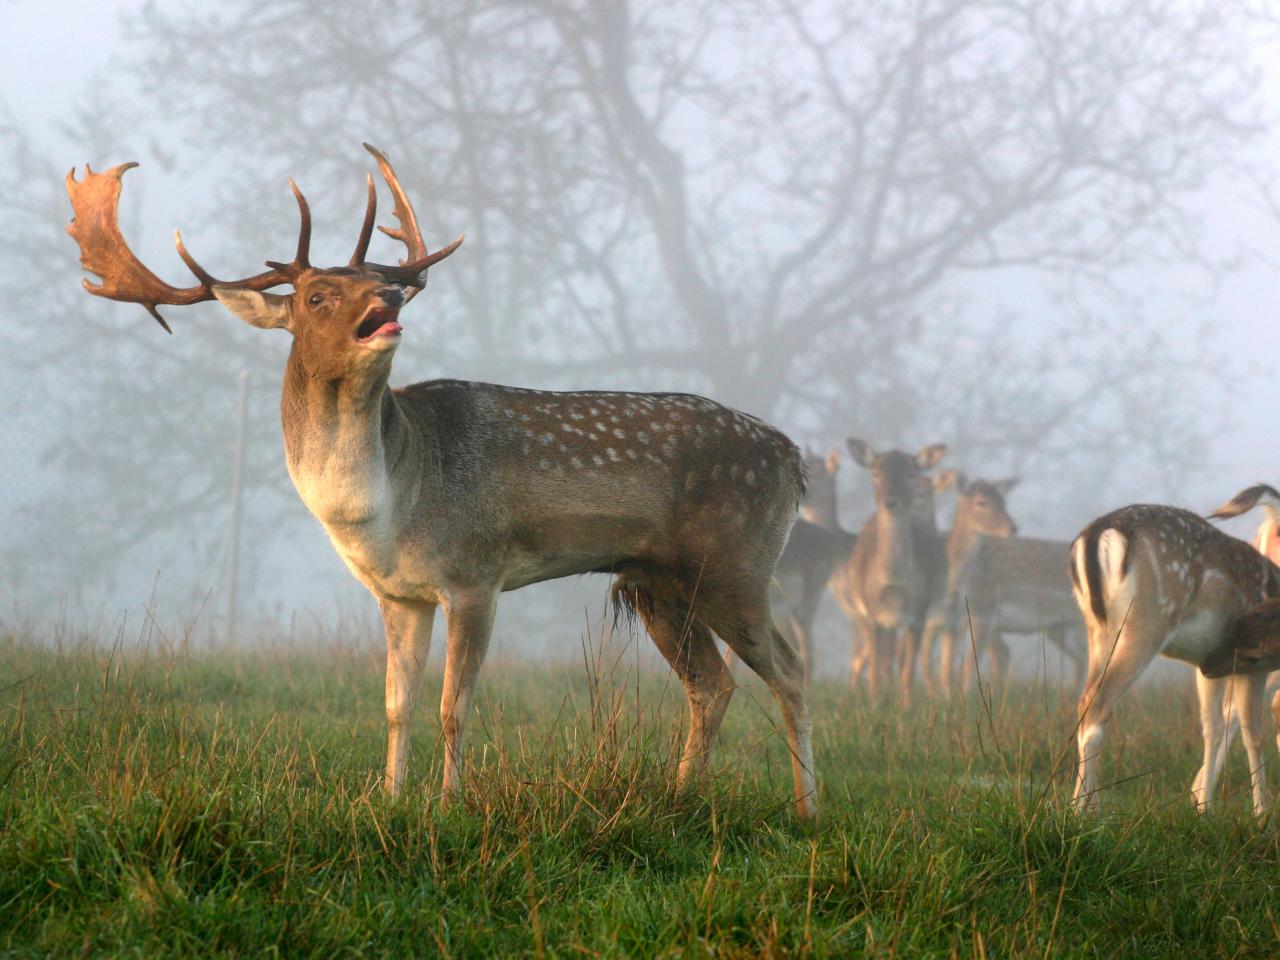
[(268, 311), (861, 451), (930, 456), (833, 461), (1005, 485), (946, 479)]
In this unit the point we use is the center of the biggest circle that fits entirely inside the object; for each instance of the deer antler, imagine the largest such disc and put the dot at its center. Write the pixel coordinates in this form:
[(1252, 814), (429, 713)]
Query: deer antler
[(96, 228), (103, 251), (410, 270)]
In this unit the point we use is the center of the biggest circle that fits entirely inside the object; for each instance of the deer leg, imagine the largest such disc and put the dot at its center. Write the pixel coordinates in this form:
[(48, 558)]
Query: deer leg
[(906, 646), (1000, 666), (880, 660), (804, 617), (470, 617), (864, 638), (688, 646), (1218, 696), (928, 644), (408, 629), (1249, 694), (947, 661), (973, 645), (1218, 711), (752, 634), (1275, 716), (1115, 662)]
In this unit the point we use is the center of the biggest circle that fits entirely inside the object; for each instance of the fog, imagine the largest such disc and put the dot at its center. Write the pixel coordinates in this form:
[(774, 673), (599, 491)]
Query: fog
[(1042, 237)]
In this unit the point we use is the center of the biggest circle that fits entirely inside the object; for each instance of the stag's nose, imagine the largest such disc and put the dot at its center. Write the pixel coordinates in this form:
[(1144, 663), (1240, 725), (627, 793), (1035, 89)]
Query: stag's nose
[(392, 296), (1013, 529)]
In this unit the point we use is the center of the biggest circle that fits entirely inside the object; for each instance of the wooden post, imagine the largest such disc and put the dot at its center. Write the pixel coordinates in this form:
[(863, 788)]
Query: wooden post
[(237, 495)]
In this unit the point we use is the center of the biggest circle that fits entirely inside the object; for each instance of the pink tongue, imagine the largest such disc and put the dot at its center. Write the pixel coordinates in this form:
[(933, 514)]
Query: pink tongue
[(387, 328)]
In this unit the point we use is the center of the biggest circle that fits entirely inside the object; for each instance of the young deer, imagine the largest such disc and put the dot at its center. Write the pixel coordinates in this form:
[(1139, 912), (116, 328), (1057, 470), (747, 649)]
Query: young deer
[(447, 493), (817, 546), (980, 517), (886, 584), (1152, 580), (1008, 584)]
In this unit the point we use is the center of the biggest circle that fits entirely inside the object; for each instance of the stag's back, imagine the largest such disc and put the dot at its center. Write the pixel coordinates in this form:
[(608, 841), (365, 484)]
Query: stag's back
[(597, 480)]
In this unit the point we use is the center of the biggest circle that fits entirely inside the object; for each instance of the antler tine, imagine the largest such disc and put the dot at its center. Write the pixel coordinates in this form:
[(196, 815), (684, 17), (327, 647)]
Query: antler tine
[(366, 231), (95, 201), (302, 258), (408, 232), (410, 270)]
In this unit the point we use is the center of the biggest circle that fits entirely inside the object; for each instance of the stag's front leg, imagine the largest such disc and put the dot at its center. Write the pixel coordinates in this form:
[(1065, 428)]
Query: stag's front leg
[(470, 616), (408, 629)]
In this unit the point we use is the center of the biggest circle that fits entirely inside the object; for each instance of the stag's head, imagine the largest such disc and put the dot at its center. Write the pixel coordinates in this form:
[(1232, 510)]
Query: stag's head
[(980, 507), (343, 319), (895, 474)]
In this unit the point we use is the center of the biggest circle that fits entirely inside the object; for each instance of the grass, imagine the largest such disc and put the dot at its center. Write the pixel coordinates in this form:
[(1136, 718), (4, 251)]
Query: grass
[(227, 803)]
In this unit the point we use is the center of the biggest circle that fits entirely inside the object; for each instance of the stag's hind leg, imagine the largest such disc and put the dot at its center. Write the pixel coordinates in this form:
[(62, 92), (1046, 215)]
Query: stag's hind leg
[(749, 630), (470, 615), (688, 646)]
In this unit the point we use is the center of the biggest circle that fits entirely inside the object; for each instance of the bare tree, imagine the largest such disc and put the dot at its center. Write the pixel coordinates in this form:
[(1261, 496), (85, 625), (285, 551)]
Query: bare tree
[(786, 204)]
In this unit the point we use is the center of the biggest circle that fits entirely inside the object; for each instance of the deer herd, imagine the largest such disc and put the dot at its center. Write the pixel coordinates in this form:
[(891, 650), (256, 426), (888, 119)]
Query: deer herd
[(447, 493)]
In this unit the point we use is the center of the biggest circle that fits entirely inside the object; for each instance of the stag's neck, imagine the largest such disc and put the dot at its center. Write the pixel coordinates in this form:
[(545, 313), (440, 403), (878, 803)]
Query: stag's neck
[(342, 439)]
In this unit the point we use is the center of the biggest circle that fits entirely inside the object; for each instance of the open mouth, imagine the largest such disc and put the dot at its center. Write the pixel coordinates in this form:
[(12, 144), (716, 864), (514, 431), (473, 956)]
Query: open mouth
[(378, 322)]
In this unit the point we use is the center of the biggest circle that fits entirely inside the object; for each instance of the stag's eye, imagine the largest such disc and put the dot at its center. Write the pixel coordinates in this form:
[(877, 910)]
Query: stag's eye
[(316, 299)]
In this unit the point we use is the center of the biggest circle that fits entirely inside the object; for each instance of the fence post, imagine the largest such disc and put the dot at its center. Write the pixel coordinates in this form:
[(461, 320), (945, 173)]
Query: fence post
[(237, 495)]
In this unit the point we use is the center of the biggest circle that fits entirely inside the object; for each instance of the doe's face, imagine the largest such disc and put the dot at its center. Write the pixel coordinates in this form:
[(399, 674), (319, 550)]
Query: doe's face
[(982, 507), (895, 476)]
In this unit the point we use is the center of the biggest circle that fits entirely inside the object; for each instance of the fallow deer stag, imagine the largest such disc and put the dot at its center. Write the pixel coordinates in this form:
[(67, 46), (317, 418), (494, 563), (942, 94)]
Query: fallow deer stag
[(886, 584), (817, 546), (1152, 580), (447, 493)]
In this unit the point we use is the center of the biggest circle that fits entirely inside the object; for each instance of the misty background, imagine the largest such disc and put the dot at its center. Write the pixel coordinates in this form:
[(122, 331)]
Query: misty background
[(1042, 233)]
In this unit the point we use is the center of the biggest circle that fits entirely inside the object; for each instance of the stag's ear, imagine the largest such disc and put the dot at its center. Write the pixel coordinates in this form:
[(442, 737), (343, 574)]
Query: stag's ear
[(1005, 485), (861, 451), (930, 456), (946, 479), (269, 311)]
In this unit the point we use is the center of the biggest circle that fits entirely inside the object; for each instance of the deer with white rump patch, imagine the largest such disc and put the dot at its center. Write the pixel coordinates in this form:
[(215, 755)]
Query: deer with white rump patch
[(447, 493), (1152, 580)]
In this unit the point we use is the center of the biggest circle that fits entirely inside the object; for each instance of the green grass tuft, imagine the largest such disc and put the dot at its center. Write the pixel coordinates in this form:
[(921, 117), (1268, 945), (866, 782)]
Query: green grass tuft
[(228, 803)]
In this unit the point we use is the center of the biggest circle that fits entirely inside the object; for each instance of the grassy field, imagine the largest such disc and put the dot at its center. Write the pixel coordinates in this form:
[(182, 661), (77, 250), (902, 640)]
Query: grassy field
[(227, 803)]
